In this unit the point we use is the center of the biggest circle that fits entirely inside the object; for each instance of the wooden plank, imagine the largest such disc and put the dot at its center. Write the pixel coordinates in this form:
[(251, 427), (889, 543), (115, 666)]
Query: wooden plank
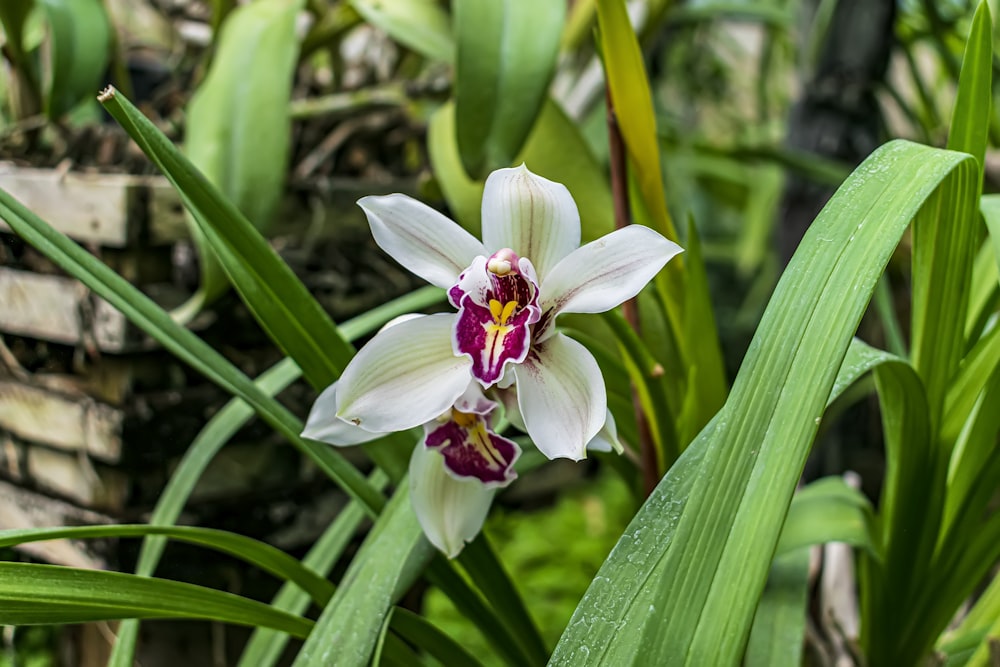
[(74, 477), (106, 209), (53, 308), (70, 423), (20, 508)]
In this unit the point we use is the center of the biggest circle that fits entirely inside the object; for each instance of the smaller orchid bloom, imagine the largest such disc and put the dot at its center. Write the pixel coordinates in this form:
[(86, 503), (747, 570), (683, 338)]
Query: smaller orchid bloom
[(508, 290), (463, 436), (455, 468)]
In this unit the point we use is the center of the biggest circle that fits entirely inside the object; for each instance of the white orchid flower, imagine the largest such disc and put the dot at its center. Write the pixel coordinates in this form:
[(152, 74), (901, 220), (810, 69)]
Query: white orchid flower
[(451, 484), (508, 290)]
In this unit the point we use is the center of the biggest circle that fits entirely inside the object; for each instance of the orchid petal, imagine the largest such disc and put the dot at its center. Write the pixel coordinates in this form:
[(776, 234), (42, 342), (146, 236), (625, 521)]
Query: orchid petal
[(533, 216), (607, 438), (420, 238), (405, 376), (606, 272), (324, 425), (472, 450), (561, 394), (450, 511)]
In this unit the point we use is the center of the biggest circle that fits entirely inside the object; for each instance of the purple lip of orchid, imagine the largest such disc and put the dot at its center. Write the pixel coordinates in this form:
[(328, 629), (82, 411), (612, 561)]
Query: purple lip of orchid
[(471, 449), (497, 300)]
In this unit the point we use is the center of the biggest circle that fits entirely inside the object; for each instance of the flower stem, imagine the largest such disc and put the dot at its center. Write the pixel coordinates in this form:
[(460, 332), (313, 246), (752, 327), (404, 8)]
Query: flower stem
[(630, 309)]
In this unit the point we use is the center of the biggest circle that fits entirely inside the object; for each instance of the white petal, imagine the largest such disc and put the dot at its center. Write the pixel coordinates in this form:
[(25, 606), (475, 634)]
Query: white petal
[(420, 238), (451, 511), (606, 439), (561, 393), (324, 425), (606, 272), (533, 216), (405, 376)]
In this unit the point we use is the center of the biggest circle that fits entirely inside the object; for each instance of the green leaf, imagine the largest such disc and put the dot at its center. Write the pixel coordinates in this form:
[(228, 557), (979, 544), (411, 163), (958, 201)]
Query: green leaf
[(779, 625), (506, 56), (970, 121), (278, 299), (252, 551), (423, 634), (943, 254), (828, 510), (682, 584), (704, 353), (633, 105), (392, 556), (45, 594), (79, 48), (238, 129), (421, 25)]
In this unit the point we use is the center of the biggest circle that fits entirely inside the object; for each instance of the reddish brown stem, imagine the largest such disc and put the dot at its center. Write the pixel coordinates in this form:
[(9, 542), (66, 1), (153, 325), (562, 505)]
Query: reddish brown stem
[(630, 310)]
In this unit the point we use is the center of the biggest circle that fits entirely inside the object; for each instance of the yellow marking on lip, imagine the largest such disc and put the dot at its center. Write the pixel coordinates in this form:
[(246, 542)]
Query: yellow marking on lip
[(502, 312)]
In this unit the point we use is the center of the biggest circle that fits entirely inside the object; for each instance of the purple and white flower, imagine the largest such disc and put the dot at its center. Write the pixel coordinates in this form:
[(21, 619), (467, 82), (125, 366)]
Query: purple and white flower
[(451, 505), (508, 290)]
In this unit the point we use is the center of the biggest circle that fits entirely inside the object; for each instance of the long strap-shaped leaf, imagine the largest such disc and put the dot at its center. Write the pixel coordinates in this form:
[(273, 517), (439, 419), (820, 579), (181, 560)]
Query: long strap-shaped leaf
[(393, 555), (279, 300), (682, 584), (252, 551), (32, 594)]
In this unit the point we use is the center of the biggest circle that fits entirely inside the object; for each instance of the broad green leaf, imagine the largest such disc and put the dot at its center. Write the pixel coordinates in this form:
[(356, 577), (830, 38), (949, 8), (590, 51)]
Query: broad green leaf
[(252, 551), (706, 383), (970, 121), (79, 46), (910, 507), (779, 625), (421, 25), (238, 131), (828, 510), (682, 585), (45, 594), (184, 344), (506, 56), (392, 556), (943, 254), (633, 105)]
